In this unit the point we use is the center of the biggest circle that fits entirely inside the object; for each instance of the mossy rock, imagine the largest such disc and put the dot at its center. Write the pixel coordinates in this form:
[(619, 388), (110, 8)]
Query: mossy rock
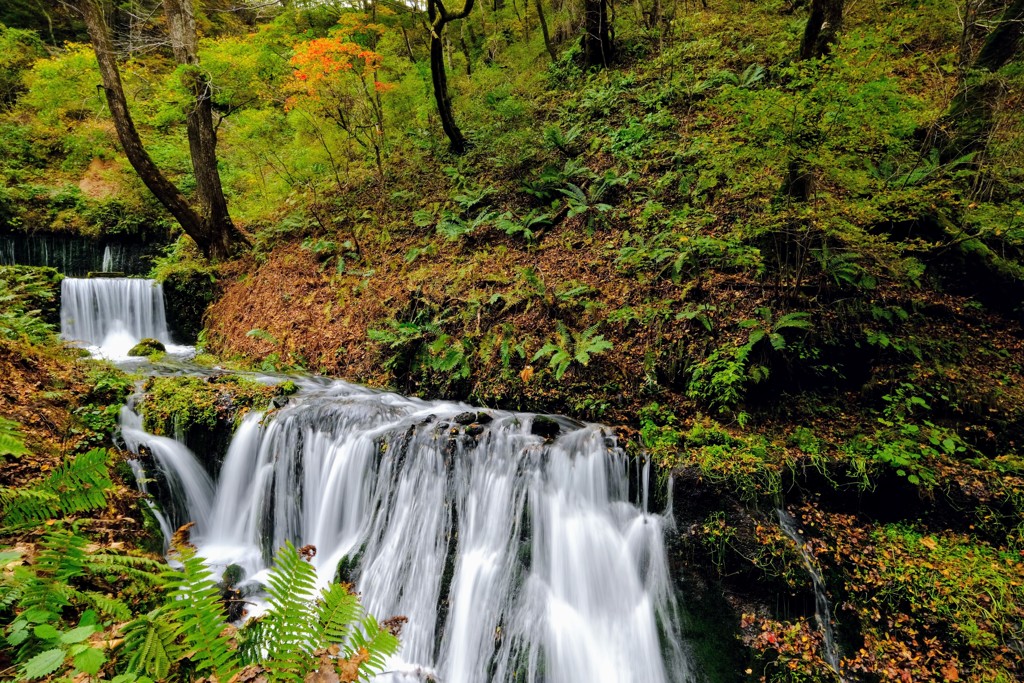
[(147, 347)]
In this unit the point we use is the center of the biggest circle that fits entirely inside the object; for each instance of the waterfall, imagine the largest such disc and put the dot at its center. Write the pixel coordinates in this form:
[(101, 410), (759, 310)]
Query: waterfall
[(822, 609), (514, 559), (110, 315), (75, 255)]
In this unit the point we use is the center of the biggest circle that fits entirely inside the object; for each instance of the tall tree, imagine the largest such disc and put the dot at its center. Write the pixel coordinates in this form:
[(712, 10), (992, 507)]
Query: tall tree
[(209, 224), (968, 120), (822, 27), (439, 17), (597, 38), (544, 30)]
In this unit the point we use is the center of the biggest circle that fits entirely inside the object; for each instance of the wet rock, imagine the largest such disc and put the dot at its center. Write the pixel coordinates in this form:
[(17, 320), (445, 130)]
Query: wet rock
[(484, 418), (545, 427), (279, 401), (146, 347), (475, 429), (464, 418)]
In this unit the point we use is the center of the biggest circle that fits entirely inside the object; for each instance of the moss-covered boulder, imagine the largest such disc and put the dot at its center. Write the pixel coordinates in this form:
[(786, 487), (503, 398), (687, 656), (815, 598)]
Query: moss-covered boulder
[(147, 347)]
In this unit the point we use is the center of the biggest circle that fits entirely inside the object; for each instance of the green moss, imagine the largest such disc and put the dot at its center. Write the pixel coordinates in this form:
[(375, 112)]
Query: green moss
[(195, 402)]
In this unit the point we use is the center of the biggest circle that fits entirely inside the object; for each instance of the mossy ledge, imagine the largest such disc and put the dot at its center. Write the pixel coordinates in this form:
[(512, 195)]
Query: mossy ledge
[(203, 412)]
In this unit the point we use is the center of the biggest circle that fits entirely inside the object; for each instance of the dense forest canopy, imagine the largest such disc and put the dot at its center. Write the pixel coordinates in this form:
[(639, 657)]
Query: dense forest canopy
[(776, 243)]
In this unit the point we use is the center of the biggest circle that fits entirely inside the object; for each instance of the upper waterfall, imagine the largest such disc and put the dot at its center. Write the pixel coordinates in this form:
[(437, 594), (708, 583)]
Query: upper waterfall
[(110, 315), (513, 558)]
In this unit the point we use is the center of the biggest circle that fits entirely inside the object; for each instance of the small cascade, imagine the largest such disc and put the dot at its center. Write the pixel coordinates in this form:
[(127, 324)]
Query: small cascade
[(514, 559), (822, 609), (110, 315)]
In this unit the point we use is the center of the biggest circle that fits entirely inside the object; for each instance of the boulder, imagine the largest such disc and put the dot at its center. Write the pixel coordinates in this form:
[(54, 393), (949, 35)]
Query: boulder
[(545, 427), (146, 347)]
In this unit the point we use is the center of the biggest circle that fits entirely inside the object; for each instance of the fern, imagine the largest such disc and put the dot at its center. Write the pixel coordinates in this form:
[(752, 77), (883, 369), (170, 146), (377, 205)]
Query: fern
[(11, 441), (374, 641), (151, 644), (291, 587), (77, 486), (572, 347), (197, 607)]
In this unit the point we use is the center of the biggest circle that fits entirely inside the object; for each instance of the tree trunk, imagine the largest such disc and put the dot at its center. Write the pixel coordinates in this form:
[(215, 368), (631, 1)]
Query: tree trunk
[(597, 41), (544, 30), (439, 17), (968, 120), (1005, 40), (213, 239), (822, 27), (202, 139)]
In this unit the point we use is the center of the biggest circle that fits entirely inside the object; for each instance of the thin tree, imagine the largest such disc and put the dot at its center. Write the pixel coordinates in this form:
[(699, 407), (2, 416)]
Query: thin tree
[(597, 38), (439, 17), (544, 30), (822, 28), (209, 224)]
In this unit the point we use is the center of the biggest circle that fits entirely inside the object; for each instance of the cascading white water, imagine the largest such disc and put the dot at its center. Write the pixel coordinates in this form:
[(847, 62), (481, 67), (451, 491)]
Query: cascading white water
[(822, 609), (110, 315), (513, 559)]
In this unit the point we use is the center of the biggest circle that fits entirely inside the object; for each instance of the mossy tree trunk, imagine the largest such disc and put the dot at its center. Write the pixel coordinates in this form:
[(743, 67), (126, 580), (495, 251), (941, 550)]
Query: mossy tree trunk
[(967, 122), (210, 226), (822, 28)]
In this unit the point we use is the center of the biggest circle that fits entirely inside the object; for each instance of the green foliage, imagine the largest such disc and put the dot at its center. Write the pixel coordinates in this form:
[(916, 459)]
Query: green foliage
[(12, 443), (18, 51), (421, 346), (186, 633), (680, 257), (24, 294), (77, 486), (570, 347)]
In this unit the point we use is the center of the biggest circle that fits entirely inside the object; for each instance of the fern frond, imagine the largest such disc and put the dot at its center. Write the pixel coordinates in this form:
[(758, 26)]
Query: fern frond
[(290, 623), (151, 644), (77, 486), (378, 643), (196, 607), (11, 440), (337, 610)]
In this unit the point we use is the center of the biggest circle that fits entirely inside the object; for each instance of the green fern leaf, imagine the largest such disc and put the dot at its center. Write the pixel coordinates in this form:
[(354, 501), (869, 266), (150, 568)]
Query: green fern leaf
[(11, 440)]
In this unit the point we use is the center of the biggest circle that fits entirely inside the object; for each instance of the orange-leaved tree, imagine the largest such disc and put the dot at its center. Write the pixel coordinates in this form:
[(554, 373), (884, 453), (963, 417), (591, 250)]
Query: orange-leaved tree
[(338, 78)]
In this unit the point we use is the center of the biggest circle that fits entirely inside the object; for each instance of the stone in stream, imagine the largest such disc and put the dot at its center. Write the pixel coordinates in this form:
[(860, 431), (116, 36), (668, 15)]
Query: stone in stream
[(545, 427), (146, 347), (469, 417)]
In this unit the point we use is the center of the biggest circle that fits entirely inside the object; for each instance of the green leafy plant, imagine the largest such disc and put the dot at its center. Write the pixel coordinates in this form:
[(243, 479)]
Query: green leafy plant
[(12, 443), (77, 486), (302, 631), (56, 646), (570, 347)]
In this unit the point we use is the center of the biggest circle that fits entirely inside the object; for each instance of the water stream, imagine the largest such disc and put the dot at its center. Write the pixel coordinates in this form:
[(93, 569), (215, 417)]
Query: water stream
[(822, 608), (513, 557)]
